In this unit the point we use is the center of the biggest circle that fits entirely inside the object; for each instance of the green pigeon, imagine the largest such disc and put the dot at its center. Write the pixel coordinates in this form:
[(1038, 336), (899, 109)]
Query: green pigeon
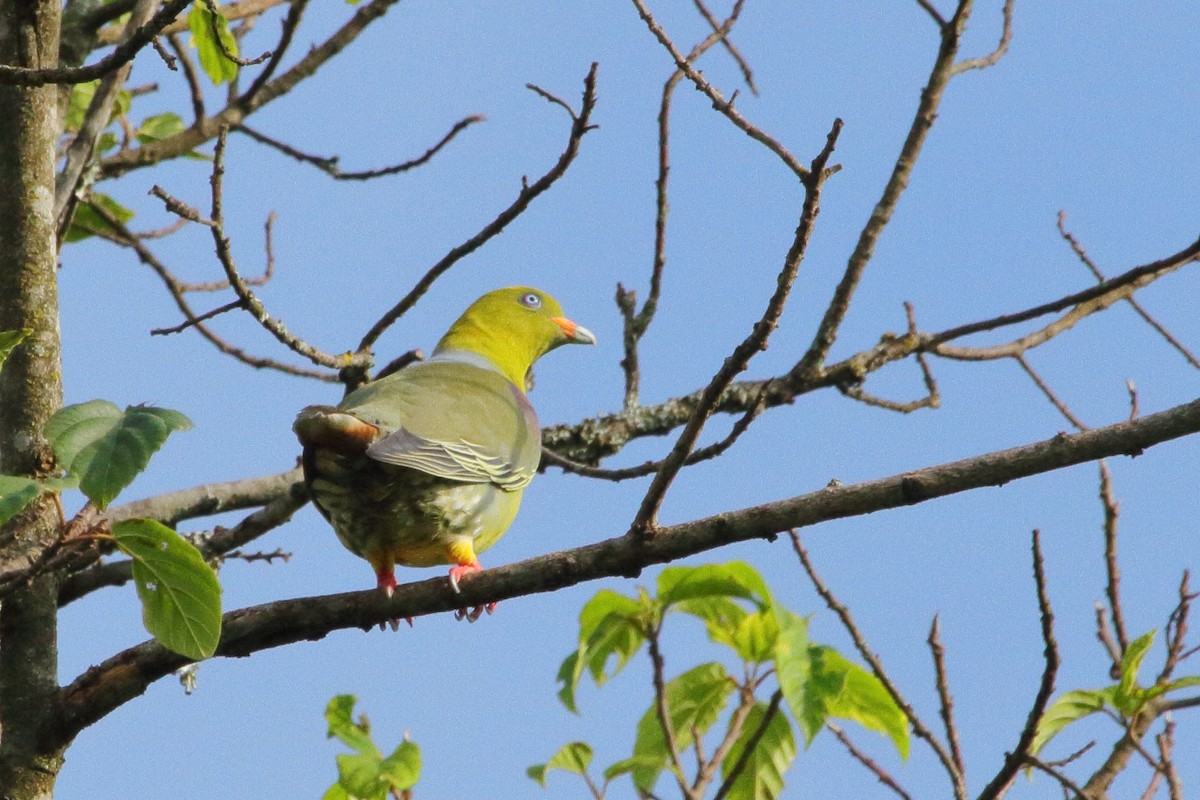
[(427, 466)]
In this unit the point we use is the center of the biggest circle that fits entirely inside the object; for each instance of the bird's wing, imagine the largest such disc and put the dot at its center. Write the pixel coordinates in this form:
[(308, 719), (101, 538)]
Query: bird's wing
[(454, 421)]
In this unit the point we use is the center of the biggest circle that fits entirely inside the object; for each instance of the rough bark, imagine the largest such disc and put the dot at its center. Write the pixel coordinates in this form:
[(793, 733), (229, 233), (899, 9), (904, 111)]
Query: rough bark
[(30, 390)]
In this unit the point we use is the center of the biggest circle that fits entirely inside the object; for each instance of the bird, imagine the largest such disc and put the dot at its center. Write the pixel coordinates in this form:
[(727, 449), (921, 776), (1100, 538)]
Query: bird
[(427, 465)]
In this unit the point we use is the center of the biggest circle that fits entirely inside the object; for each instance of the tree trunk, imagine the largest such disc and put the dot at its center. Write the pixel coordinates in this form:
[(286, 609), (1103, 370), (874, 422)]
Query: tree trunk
[(30, 391)]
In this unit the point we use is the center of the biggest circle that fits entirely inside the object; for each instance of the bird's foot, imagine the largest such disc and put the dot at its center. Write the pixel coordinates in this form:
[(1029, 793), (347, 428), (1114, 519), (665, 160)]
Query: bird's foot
[(458, 570), (475, 613), (387, 582)]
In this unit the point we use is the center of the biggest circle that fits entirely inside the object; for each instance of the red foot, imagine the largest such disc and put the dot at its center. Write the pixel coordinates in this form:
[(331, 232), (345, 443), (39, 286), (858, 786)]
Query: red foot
[(387, 581), (459, 570)]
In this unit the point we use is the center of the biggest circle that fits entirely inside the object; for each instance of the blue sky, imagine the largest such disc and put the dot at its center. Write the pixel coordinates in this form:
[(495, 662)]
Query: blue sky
[(1093, 112)]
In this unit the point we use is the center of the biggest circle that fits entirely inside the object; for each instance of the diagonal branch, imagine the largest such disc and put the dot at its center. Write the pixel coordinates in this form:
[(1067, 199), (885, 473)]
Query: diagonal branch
[(1021, 754), (123, 54), (754, 343), (580, 126), (329, 164), (126, 675), (881, 215)]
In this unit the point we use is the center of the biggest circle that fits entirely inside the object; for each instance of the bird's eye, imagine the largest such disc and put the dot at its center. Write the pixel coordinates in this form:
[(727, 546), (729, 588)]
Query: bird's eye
[(531, 300)]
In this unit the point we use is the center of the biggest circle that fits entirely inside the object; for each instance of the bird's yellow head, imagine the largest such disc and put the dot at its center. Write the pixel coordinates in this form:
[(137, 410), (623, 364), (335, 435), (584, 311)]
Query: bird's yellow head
[(513, 328)]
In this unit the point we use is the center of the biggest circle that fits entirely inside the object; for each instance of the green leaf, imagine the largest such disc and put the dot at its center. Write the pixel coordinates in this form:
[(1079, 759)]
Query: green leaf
[(365, 774), (762, 776), (1065, 710), (87, 222), (608, 627), (358, 775), (573, 757), (181, 598), (105, 447), (793, 666), (335, 792), (721, 616), (159, 126), (735, 579), (17, 492), (81, 100), (339, 715), (1128, 698), (77, 106), (9, 341), (212, 60), (847, 691), (403, 767), (694, 701), (627, 765), (755, 637)]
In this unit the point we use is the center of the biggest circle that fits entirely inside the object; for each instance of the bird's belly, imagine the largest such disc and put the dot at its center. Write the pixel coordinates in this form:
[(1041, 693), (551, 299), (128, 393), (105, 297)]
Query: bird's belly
[(380, 509)]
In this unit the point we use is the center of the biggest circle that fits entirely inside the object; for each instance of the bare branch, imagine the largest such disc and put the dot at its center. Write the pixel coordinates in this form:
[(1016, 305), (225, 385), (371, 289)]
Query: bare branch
[(635, 322), (176, 289), (864, 250), (1081, 253), (1112, 585), (881, 775), (123, 54), (719, 102), (126, 675), (581, 124), (329, 164), (722, 30), (743, 759), (945, 698), (1088, 301), (241, 288), (1001, 48), (1022, 754), (754, 343), (957, 779)]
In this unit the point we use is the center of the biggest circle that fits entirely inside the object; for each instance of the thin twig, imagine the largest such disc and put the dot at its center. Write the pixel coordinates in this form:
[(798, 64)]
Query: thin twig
[(722, 31), (581, 125), (754, 343), (876, 665), (881, 775), (719, 102), (1001, 48), (931, 97), (1022, 753), (1112, 584), (663, 712), (329, 164), (1048, 392), (183, 326), (176, 290), (739, 766), (945, 698), (214, 20), (635, 322), (248, 299), (1087, 261)]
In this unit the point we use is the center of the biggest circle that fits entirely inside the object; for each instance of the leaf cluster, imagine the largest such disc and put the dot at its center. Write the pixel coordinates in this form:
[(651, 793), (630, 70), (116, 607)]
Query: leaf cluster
[(366, 774), (815, 684), (101, 449)]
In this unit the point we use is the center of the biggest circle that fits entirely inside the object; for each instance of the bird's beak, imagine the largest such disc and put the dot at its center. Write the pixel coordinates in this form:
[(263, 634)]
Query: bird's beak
[(575, 333)]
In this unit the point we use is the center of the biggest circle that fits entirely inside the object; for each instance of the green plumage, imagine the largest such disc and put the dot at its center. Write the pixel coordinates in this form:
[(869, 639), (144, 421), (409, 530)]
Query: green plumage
[(428, 465)]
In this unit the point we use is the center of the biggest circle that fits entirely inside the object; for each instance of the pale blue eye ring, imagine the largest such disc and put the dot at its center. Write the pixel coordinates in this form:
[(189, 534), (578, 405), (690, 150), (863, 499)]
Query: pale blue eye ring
[(531, 300)]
